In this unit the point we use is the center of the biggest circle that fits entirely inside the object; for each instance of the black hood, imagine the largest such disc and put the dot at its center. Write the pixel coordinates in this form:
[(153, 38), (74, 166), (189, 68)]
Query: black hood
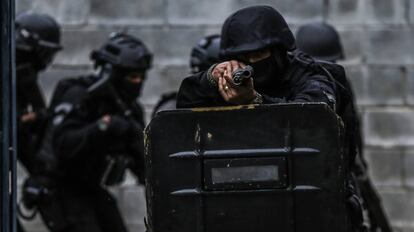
[(254, 28)]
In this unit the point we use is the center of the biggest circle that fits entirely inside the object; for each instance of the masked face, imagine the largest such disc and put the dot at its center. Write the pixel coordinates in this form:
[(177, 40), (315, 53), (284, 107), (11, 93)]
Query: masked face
[(129, 84), (26, 76), (267, 70), (39, 58)]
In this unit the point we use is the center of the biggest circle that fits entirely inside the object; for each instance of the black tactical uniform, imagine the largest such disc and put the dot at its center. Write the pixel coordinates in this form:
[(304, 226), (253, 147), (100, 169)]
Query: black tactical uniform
[(322, 41), (279, 78), (203, 55), (82, 141), (168, 101), (286, 76), (94, 152), (37, 41)]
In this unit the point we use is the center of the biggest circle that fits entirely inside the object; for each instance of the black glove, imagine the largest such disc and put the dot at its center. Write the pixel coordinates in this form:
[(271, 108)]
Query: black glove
[(119, 126), (34, 191)]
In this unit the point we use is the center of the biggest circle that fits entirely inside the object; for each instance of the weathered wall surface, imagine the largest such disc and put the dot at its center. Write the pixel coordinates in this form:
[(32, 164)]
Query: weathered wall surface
[(377, 36)]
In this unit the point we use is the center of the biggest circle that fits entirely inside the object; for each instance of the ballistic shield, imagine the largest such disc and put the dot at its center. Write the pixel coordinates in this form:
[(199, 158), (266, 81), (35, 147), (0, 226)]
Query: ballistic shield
[(246, 168)]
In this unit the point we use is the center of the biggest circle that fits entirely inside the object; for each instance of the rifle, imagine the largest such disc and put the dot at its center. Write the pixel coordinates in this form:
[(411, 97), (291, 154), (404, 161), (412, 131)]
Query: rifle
[(372, 201), (376, 213)]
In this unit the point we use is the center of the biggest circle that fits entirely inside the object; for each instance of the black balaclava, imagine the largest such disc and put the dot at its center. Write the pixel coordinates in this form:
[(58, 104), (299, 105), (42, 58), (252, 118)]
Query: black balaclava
[(128, 91), (26, 76), (268, 73), (28, 91)]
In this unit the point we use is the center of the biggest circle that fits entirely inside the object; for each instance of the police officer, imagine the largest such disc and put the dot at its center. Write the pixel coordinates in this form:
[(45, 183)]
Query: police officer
[(37, 41), (203, 55), (322, 41), (98, 127), (260, 37)]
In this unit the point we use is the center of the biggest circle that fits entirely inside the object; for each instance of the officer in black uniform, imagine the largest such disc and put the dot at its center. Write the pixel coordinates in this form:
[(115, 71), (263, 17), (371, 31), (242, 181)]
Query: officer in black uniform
[(37, 41), (98, 127), (322, 41), (259, 36), (203, 55)]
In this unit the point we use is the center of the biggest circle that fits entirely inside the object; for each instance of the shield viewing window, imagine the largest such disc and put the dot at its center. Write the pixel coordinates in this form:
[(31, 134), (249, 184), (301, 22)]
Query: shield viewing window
[(245, 173), (275, 171)]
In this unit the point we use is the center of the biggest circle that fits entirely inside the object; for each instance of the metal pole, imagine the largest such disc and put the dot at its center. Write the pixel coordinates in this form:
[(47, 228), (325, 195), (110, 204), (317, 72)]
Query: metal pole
[(13, 127), (8, 119)]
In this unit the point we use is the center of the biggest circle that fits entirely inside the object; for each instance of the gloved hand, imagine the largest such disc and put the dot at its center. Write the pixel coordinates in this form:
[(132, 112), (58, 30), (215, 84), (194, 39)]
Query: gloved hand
[(34, 191), (115, 125)]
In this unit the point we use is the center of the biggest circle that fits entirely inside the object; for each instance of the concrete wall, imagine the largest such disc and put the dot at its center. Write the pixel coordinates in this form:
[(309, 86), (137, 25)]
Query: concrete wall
[(377, 36)]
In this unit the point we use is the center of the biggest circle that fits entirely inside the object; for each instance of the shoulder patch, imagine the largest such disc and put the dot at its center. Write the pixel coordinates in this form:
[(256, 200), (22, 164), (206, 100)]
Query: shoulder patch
[(60, 112)]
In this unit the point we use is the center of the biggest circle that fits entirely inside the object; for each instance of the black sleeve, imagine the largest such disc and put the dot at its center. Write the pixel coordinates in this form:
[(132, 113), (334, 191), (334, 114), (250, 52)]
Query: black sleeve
[(196, 91), (272, 100), (315, 88), (75, 137), (74, 132)]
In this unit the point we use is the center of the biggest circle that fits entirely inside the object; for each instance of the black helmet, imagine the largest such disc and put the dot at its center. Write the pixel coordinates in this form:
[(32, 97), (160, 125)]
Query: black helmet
[(123, 51), (321, 41), (37, 38), (205, 53), (255, 28)]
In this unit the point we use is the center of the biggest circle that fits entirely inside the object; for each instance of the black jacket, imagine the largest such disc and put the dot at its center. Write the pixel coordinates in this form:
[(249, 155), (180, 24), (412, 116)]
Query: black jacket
[(30, 133), (300, 83), (81, 146)]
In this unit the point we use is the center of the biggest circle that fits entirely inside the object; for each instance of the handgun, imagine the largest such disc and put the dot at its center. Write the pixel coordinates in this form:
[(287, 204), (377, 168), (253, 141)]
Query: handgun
[(242, 74)]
